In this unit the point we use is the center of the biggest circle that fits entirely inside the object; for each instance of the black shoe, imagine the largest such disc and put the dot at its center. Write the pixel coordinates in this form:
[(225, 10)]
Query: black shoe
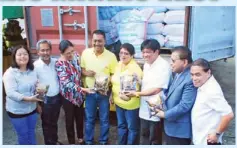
[(59, 143), (81, 141)]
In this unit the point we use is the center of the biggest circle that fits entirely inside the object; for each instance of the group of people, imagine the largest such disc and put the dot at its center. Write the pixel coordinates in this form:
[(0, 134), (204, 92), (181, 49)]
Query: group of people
[(189, 93)]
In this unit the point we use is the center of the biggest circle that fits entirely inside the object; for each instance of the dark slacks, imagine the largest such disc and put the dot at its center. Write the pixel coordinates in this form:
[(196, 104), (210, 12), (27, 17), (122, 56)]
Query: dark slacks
[(50, 114), (73, 113), (177, 141), (151, 132)]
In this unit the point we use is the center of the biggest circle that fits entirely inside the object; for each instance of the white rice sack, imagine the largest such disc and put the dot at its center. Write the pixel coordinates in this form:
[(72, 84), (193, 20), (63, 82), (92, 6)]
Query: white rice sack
[(133, 15), (176, 7), (153, 29), (121, 16), (130, 31), (157, 18), (137, 45), (157, 9), (173, 41), (107, 25), (160, 38), (172, 44), (174, 17), (139, 15), (174, 38), (174, 30)]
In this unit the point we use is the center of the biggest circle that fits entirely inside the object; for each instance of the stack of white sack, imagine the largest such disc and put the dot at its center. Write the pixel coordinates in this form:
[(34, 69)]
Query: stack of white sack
[(174, 17), (174, 28), (132, 27), (159, 37), (157, 18), (155, 27), (173, 41), (174, 33)]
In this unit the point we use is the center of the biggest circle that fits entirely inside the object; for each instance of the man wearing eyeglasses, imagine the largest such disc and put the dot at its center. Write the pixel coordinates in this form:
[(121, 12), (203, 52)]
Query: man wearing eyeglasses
[(46, 73), (179, 99)]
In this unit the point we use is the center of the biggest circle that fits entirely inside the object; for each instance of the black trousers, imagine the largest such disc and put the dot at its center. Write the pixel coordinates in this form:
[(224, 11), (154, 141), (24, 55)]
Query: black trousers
[(151, 132), (73, 113), (50, 113), (177, 141)]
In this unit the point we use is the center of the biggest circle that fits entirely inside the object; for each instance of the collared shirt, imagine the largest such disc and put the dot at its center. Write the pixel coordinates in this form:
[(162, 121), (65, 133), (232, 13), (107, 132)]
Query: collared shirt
[(18, 85), (47, 75), (209, 107), (102, 64), (156, 75), (131, 68)]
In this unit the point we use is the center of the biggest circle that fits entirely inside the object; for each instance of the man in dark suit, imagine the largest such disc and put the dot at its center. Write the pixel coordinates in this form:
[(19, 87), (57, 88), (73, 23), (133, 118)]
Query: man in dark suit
[(178, 100)]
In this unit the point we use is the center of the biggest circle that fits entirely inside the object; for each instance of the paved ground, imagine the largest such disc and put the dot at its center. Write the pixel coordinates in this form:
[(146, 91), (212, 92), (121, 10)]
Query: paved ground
[(223, 71), (225, 75)]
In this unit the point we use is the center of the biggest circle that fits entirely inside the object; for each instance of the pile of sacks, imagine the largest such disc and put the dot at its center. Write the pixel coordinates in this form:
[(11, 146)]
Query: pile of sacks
[(135, 24)]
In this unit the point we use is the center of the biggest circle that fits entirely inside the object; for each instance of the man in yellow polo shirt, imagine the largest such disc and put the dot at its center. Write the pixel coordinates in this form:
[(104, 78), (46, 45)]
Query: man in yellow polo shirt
[(97, 60)]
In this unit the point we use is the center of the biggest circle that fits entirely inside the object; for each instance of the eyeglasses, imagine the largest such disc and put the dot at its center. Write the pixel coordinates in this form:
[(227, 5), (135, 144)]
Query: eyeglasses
[(174, 60), (69, 53), (124, 53)]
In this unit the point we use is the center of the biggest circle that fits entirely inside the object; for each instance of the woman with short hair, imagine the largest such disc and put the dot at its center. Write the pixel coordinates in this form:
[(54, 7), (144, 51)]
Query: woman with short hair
[(69, 73), (127, 109)]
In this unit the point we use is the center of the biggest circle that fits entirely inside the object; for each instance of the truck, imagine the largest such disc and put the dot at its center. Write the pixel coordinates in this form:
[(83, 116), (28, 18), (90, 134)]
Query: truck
[(209, 31)]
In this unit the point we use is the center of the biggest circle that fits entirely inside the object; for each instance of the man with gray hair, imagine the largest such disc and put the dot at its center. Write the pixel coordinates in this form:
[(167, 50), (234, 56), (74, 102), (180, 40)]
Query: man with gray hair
[(47, 76), (211, 113)]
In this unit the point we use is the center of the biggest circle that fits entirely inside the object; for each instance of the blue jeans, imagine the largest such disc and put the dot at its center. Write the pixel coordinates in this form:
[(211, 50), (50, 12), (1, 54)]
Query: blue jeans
[(128, 126), (92, 102), (25, 129), (50, 113)]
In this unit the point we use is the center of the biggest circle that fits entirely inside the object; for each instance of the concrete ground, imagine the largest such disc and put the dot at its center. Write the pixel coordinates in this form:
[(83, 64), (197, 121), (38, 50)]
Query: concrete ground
[(223, 71)]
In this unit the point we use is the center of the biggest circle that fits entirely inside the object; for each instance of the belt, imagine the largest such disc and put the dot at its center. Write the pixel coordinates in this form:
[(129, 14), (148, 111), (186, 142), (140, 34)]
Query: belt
[(58, 95)]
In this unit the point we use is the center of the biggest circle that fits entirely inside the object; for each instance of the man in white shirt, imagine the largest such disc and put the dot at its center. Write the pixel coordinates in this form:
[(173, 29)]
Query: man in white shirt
[(156, 76), (211, 114), (46, 74)]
